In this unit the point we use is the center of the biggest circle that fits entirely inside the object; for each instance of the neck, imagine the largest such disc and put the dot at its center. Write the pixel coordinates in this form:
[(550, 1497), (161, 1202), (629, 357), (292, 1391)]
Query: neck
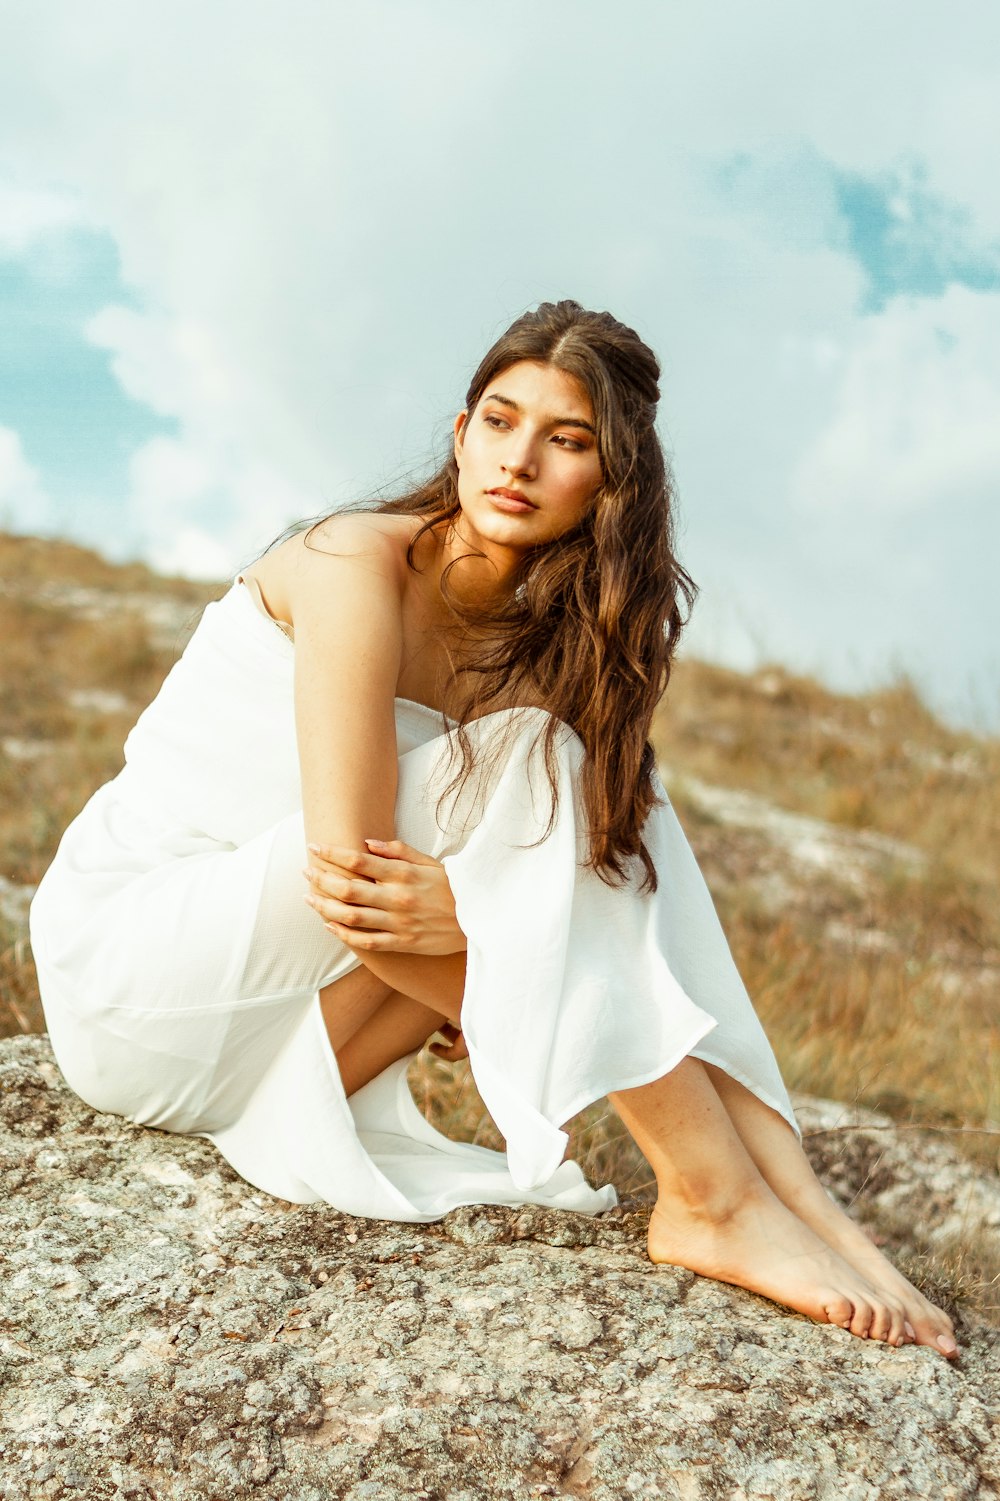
[(483, 575)]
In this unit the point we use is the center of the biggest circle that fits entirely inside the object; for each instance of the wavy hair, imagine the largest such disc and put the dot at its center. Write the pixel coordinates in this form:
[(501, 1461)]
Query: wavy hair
[(593, 618)]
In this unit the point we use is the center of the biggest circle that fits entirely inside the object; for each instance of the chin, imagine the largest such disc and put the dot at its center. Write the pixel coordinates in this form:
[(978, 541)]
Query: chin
[(494, 526)]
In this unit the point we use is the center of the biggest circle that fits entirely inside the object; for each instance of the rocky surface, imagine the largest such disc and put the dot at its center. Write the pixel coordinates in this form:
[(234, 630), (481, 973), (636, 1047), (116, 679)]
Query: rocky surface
[(168, 1332)]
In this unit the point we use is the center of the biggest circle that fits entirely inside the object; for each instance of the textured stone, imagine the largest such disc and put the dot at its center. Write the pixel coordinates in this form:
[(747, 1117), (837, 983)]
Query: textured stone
[(169, 1332)]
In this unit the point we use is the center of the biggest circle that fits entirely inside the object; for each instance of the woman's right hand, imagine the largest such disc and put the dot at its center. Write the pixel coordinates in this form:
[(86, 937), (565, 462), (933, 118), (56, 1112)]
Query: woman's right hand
[(389, 898)]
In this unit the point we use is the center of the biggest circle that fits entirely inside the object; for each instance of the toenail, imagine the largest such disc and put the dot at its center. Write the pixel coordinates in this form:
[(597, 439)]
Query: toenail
[(910, 1330), (947, 1344)]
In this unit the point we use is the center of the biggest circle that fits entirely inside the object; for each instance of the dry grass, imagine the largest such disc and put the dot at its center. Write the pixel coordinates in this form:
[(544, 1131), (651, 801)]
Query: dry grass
[(912, 1026), (959, 1278), (447, 1094), (878, 761), (905, 1019), (72, 625), (35, 563)]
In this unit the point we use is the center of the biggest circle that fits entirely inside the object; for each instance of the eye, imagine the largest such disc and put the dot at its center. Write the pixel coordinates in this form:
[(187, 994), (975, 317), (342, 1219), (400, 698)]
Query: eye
[(492, 420), (571, 443)]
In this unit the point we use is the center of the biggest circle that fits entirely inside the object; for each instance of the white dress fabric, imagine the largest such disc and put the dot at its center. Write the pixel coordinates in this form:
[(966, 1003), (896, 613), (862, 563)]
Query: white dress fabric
[(180, 967)]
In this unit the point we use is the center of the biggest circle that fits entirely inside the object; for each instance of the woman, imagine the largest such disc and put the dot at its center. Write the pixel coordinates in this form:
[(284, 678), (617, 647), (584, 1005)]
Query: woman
[(455, 750)]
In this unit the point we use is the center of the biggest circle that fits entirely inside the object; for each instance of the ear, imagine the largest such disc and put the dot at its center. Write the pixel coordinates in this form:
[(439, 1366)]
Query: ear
[(460, 422)]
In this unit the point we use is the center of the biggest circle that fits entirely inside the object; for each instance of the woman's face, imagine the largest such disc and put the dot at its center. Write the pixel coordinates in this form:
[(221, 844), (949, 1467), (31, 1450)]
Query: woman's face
[(528, 465)]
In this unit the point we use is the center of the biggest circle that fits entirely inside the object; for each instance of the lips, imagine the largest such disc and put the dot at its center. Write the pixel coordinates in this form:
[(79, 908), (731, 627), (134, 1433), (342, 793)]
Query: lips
[(512, 495)]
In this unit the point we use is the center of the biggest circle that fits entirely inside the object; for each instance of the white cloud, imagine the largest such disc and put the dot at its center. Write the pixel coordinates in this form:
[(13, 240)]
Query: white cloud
[(877, 548), (915, 421), (28, 213), (24, 505), (151, 356), (193, 552), (203, 511), (170, 475)]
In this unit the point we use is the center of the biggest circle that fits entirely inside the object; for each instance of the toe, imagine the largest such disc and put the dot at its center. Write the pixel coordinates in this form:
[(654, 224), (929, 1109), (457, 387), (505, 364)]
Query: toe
[(945, 1325), (932, 1326), (897, 1322), (861, 1320), (897, 1328), (930, 1314), (881, 1323), (839, 1310), (939, 1339)]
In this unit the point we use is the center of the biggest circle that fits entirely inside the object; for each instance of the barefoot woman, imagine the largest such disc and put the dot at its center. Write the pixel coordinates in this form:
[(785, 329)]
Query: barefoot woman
[(438, 810)]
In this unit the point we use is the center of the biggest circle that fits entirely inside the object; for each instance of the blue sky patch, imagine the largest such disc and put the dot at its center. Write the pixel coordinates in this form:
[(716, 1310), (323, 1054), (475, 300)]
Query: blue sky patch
[(907, 239), (910, 240), (57, 391)]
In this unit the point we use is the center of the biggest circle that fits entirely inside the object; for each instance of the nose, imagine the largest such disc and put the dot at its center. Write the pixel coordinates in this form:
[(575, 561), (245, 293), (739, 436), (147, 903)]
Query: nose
[(519, 457)]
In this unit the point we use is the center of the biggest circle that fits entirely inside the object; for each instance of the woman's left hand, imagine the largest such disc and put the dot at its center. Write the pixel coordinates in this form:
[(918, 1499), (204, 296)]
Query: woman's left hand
[(389, 898)]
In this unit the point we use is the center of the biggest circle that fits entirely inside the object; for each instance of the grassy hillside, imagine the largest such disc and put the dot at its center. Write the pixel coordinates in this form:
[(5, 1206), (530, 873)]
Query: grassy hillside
[(866, 925), (86, 645), (852, 844)]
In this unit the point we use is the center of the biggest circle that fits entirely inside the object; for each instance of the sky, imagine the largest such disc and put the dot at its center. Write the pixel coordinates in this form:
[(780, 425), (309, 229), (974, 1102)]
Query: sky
[(251, 253)]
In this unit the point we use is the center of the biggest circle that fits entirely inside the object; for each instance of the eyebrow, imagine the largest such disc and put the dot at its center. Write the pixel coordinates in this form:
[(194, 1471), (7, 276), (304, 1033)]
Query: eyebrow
[(507, 401)]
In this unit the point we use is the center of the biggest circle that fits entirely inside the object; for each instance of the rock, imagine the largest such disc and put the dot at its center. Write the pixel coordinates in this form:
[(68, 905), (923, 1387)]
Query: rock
[(171, 1334), (907, 1182)]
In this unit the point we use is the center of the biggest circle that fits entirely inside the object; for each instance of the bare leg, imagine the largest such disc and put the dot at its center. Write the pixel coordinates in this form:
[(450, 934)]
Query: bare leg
[(347, 1003), (436, 980), (716, 1215), (784, 1166), (370, 1025), (398, 1027)]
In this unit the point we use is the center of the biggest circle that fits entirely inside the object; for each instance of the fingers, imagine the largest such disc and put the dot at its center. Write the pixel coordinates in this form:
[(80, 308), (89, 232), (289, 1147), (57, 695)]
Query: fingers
[(349, 915), (395, 849), (351, 862), (453, 1047), (365, 941), (410, 904), (384, 859), (330, 885)]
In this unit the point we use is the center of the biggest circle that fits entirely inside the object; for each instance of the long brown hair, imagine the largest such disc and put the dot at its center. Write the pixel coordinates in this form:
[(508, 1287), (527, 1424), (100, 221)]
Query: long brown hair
[(593, 618)]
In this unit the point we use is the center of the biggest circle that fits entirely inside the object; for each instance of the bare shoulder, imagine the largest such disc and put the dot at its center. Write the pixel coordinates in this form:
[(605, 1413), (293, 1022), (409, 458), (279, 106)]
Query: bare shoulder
[(369, 540), (361, 554)]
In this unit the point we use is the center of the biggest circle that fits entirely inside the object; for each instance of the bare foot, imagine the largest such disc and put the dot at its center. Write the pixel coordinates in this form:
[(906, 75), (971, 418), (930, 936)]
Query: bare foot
[(764, 1247), (930, 1324)]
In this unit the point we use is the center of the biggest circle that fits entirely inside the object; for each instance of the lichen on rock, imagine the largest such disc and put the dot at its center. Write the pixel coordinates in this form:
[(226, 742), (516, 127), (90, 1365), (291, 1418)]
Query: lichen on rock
[(169, 1333)]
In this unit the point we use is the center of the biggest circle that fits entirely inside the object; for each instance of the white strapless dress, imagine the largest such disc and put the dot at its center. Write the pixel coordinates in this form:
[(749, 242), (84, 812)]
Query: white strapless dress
[(180, 968)]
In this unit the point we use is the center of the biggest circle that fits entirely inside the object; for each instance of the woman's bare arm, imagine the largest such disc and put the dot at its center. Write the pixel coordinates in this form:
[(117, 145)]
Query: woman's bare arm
[(345, 597), (346, 606)]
